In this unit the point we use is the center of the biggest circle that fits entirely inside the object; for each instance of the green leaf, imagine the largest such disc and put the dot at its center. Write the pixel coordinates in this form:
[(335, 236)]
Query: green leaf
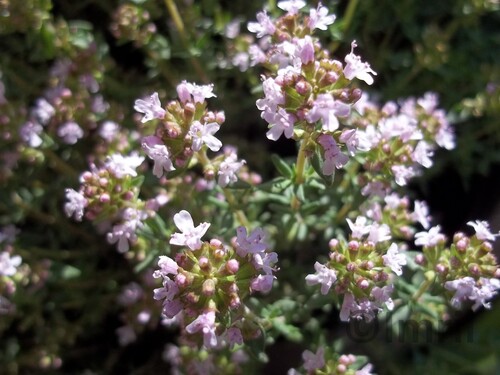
[(282, 166)]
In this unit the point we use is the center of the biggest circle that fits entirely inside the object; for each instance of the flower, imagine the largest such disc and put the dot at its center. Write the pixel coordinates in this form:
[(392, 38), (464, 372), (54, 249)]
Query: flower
[(250, 244), (198, 93), (326, 108), (467, 288), (430, 238), (319, 18), (203, 134), (279, 122), (70, 132), (75, 205), (359, 227), (334, 158), (159, 153), (291, 6), (394, 260), (8, 264), (314, 361), (228, 168), (421, 214), (190, 236), (355, 68), (122, 166), (324, 276), (482, 229), (151, 108), (206, 323), (167, 265), (264, 26)]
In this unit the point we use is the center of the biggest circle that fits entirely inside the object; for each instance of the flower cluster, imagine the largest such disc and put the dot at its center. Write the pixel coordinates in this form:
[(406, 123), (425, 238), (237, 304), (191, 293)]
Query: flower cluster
[(9, 265), (400, 140), (467, 269), (308, 95), (205, 285), (325, 362), (184, 132), (359, 269)]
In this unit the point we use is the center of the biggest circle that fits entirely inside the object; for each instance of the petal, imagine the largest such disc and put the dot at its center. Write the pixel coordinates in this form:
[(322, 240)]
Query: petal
[(184, 221)]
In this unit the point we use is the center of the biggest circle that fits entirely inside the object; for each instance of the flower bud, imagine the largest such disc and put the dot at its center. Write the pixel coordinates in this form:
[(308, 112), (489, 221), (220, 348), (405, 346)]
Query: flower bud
[(351, 267), (353, 245), (474, 269), (215, 244), (462, 245), (441, 269), (232, 266), (341, 368), (204, 263), (333, 244), (363, 283), (208, 287)]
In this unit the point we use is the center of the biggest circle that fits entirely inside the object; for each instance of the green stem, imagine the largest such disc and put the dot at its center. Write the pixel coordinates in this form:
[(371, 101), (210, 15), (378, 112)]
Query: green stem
[(301, 162), (179, 25), (429, 280), (58, 164)]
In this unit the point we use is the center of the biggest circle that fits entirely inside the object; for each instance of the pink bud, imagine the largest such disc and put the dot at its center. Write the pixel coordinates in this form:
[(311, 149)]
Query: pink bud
[(232, 266)]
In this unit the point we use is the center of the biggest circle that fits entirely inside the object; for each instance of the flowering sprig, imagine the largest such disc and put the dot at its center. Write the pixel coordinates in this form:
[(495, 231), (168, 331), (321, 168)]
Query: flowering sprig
[(324, 361), (206, 283), (467, 269)]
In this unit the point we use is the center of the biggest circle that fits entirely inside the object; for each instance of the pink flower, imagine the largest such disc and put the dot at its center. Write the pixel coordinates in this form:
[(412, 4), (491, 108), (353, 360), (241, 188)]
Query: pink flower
[(157, 151), (334, 158), (190, 236), (262, 283), (75, 205), (279, 122), (228, 168), (356, 69), (264, 26), (326, 108), (204, 134), (314, 361), (324, 276), (206, 324), (319, 18), (151, 108), (70, 132), (167, 265), (250, 244), (234, 336)]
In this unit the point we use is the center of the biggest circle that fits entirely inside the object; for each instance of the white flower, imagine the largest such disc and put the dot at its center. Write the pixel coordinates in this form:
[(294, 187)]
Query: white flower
[(482, 229), (324, 276), (430, 238), (190, 236), (314, 361), (122, 166), (291, 6), (151, 108), (394, 260), (203, 134), (8, 264)]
